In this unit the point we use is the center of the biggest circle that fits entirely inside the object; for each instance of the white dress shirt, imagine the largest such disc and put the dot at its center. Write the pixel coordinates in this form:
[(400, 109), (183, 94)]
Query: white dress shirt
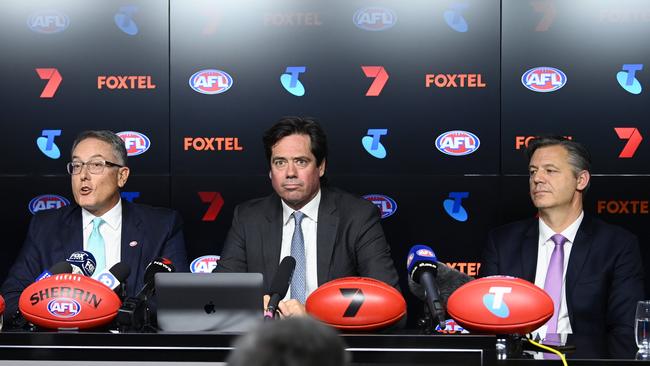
[(309, 225), (111, 231), (544, 252)]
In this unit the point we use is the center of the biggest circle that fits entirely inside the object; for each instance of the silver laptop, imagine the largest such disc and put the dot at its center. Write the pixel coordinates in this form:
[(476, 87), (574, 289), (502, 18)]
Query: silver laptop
[(209, 302)]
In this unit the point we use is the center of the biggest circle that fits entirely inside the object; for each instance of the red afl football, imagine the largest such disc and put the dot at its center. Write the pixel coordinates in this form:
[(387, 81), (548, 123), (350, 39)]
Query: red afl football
[(2, 305), (356, 304), (500, 305), (69, 301)]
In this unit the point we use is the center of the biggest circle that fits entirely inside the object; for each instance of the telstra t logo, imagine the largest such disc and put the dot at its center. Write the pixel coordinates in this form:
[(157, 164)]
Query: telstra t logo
[(493, 301), (52, 85), (46, 143), (216, 203), (633, 137), (124, 19), (381, 77), (453, 206), (290, 80), (455, 19), (372, 145), (627, 80)]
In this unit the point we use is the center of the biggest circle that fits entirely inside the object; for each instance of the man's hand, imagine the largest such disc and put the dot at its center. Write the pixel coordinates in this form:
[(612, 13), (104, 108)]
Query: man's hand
[(287, 308)]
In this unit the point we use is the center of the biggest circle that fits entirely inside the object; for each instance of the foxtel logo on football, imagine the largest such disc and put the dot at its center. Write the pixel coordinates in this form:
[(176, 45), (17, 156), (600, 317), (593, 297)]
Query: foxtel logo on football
[(212, 144), (125, 82), (523, 141), (454, 81), (632, 207)]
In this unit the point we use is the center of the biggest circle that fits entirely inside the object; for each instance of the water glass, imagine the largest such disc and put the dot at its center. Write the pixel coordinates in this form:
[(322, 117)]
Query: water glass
[(642, 325)]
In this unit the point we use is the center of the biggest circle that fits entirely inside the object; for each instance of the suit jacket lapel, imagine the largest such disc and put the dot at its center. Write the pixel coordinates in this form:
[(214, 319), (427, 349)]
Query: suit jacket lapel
[(579, 253), (72, 234), (133, 241), (272, 237), (327, 228), (529, 252)]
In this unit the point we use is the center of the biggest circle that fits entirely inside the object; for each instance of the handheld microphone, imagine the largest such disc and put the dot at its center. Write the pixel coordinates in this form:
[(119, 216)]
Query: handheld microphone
[(61, 267), (280, 285), (83, 262), (422, 267)]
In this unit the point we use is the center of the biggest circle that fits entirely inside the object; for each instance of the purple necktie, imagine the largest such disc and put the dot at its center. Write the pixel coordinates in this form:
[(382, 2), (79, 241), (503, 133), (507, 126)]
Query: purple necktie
[(554, 280)]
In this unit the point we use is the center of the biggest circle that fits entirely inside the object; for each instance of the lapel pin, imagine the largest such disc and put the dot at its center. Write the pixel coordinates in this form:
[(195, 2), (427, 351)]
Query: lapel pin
[(133, 243)]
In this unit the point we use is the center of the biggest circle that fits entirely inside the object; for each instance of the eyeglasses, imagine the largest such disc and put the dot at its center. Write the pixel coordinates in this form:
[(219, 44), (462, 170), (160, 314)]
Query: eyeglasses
[(93, 166)]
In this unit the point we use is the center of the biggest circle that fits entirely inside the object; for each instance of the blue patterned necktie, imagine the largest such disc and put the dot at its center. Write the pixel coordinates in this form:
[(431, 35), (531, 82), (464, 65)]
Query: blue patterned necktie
[(299, 279), (97, 246)]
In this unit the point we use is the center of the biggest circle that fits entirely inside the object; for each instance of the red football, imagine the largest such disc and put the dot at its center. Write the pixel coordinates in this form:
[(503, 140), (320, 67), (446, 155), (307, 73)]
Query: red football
[(356, 303), (69, 301), (2, 305), (500, 305)]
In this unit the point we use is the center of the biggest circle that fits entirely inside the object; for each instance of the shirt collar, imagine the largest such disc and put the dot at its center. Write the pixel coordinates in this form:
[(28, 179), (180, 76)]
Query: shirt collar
[(113, 217), (570, 232), (310, 209)]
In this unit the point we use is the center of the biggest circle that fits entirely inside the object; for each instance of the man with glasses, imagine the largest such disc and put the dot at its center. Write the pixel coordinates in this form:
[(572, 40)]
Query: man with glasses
[(112, 229)]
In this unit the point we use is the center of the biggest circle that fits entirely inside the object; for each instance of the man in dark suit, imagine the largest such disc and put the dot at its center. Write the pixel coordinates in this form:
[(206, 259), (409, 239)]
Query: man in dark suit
[(124, 232), (331, 233), (591, 269)]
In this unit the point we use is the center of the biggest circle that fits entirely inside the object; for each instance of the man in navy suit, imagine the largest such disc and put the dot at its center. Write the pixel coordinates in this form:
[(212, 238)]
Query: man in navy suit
[(124, 232), (340, 234), (599, 270)]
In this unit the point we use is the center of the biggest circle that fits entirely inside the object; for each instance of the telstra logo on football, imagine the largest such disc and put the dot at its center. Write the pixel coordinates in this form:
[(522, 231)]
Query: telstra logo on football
[(543, 79), (371, 142), (46, 143), (124, 19), (290, 80), (457, 143), (381, 78), (136, 143), (374, 19), (52, 85), (47, 202), (211, 81), (454, 18), (453, 206), (633, 137), (48, 22), (387, 206), (493, 301), (627, 80)]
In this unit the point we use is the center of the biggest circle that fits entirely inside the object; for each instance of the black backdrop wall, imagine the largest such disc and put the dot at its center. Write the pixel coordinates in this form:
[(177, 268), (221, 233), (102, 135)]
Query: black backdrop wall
[(194, 83)]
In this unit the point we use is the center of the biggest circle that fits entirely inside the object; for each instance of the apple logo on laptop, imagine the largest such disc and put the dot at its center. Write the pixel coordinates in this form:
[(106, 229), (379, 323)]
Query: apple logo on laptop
[(209, 308)]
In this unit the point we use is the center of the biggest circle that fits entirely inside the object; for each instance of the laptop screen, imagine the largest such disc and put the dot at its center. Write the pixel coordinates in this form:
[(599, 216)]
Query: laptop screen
[(209, 302)]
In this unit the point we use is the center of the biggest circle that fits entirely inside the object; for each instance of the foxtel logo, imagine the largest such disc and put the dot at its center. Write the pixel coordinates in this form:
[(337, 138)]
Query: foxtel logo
[(212, 144), (469, 268), (125, 82), (634, 207), (454, 81), (523, 141), (54, 80), (633, 137)]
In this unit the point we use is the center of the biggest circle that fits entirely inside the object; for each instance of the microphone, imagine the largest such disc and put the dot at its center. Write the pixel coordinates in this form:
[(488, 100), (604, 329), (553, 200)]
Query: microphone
[(422, 267), (280, 285), (61, 267), (158, 265), (448, 280), (83, 262), (115, 276)]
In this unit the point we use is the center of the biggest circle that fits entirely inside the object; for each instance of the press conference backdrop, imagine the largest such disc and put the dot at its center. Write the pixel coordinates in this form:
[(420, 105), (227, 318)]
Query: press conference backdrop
[(193, 84)]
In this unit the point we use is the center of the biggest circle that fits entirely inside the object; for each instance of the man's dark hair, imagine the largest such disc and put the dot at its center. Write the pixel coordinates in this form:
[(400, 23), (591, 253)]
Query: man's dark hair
[(579, 156), (109, 137), (290, 342), (292, 125)]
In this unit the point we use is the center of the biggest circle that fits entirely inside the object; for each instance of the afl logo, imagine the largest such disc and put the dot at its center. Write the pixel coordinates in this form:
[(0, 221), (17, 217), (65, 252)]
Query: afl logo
[(204, 264), (386, 205), (457, 143), (48, 22), (136, 143), (425, 253), (211, 81), (543, 79), (46, 202), (374, 19), (63, 308)]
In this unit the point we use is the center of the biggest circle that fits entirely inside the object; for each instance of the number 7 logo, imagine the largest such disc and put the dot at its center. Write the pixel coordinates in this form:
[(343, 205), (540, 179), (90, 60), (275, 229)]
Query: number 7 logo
[(381, 78), (52, 85), (633, 137), (357, 300)]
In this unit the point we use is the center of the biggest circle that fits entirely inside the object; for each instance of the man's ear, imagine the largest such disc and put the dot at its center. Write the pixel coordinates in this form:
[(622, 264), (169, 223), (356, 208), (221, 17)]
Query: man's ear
[(583, 180), (123, 176)]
